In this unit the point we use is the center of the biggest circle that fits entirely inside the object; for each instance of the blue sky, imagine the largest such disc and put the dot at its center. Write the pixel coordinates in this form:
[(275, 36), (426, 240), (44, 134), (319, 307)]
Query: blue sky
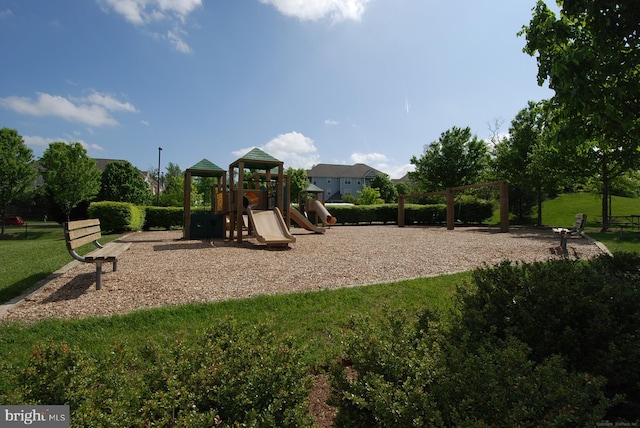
[(308, 81)]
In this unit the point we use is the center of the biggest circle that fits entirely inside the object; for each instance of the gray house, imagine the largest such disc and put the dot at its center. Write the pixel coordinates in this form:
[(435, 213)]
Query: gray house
[(339, 180)]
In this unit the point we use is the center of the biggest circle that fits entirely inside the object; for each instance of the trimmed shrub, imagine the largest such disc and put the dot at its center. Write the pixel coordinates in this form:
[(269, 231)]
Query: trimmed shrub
[(473, 210), (425, 214), (231, 376), (117, 216), (586, 312), (164, 217), (408, 374)]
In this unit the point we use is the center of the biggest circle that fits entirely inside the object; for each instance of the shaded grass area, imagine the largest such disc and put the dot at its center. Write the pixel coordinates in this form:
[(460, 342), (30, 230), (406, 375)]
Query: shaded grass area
[(34, 253), (315, 319)]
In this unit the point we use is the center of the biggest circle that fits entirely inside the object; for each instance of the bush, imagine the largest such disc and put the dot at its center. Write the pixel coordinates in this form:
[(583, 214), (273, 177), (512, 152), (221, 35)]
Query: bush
[(403, 373), (425, 214), (164, 217), (117, 216), (231, 376), (588, 313), (473, 210)]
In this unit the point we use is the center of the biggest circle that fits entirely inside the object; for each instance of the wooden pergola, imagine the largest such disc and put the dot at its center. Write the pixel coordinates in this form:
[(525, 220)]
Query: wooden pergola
[(450, 194)]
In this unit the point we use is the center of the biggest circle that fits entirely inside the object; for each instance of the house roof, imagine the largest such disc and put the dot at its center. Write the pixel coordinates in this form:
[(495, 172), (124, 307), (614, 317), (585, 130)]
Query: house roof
[(358, 170)]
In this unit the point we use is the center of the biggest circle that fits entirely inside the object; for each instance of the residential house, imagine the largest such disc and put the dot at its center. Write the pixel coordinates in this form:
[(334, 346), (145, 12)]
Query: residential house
[(339, 180)]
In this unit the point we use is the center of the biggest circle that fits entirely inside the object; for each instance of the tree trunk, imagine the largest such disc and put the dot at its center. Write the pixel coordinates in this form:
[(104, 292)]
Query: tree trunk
[(539, 198), (605, 197)]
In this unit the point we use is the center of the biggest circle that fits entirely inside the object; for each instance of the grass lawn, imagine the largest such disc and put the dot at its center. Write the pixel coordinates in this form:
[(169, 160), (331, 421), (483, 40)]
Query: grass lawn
[(35, 252), (315, 319)]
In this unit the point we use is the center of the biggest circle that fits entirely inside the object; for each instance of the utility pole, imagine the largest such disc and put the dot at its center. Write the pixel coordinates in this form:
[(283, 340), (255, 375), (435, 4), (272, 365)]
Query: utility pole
[(158, 193)]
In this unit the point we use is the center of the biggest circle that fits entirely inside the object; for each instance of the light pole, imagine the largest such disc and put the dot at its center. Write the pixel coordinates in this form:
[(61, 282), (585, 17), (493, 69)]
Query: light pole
[(158, 194)]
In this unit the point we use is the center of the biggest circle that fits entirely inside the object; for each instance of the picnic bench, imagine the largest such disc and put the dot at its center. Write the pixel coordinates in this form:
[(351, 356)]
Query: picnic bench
[(576, 230), (81, 232), (624, 221)]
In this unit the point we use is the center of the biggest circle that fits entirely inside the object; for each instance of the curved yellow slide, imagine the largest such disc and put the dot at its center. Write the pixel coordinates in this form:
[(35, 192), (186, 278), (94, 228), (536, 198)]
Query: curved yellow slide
[(304, 222), (269, 227)]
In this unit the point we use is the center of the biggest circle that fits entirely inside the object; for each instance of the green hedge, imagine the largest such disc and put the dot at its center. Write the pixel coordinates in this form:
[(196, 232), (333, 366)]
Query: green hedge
[(467, 211), (164, 217), (120, 216), (117, 216)]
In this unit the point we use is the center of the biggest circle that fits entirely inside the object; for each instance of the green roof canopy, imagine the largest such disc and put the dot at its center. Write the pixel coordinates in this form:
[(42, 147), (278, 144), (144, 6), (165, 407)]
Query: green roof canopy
[(312, 188), (257, 159), (204, 168)]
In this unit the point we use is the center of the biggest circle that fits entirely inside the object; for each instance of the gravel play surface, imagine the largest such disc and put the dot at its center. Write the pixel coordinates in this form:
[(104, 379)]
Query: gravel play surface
[(163, 269)]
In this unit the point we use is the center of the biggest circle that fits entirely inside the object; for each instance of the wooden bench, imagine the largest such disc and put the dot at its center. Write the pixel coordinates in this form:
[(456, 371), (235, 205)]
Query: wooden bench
[(81, 232), (577, 230)]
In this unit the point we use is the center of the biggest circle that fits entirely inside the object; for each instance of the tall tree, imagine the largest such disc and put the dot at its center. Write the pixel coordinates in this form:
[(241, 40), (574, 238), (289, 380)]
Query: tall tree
[(70, 176), (17, 174), (369, 196), (173, 194), (388, 192), (590, 56), (299, 180), (123, 182), (458, 158), (518, 159)]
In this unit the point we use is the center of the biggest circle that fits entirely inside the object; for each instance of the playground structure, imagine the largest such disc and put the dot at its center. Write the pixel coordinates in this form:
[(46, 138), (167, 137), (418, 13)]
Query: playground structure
[(450, 194), (267, 194), (205, 225), (311, 200), (256, 203)]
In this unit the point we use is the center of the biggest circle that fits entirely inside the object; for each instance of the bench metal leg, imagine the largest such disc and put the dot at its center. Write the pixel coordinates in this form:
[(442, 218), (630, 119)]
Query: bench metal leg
[(98, 275), (563, 242)]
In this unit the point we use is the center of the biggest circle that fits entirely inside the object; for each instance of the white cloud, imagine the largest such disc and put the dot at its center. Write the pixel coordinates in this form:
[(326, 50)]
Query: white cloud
[(147, 12), (40, 144), (293, 148), (313, 10), (382, 163), (331, 122), (368, 157), (108, 102), (176, 40), (92, 110)]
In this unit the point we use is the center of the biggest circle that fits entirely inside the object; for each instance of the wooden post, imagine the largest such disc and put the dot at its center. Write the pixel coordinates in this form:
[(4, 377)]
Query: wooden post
[(239, 201), (186, 224), (451, 209), (400, 210)]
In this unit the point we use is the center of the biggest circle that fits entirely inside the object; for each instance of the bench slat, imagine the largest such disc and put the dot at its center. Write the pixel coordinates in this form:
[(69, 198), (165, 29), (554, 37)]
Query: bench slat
[(80, 224), (74, 243), (108, 253)]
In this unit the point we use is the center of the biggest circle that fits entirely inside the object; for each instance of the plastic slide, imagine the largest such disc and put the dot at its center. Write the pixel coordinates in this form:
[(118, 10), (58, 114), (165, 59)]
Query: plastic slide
[(325, 216), (269, 227), (304, 222)]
